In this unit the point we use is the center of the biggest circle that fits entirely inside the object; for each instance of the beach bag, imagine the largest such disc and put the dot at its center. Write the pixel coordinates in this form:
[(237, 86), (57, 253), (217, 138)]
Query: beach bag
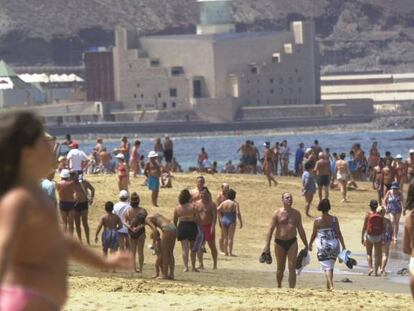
[(302, 260), (375, 224)]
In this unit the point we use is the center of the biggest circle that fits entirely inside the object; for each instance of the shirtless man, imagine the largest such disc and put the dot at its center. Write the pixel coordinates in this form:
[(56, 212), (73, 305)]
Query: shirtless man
[(168, 150), (388, 175), (377, 180), (105, 161), (153, 172), (244, 158), (268, 164), (288, 223), (207, 212), (323, 175), (284, 158), (196, 192), (409, 166), (67, 200), (84, 195), (399, 169), (343, 175), (202, 157), (408, 244), (221, 197)]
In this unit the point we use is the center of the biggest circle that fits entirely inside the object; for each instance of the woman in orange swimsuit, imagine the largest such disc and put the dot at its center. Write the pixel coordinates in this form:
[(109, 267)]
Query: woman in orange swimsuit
[(122, 170)]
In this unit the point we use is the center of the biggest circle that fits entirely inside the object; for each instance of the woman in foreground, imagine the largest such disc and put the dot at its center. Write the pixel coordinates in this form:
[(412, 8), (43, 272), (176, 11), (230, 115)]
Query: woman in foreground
[(328, 234), (34, 252)]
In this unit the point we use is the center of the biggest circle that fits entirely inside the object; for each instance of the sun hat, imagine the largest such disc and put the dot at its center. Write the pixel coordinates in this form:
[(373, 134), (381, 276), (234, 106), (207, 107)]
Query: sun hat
[(152, 154), (64, 173), (395, 185), (308, 150), (120, 156), (61, 158), (411, 151), (398, 156), (123, 194)]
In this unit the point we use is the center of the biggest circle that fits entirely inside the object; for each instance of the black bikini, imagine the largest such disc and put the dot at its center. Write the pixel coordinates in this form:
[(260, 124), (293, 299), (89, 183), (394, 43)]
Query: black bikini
[(286, 244)]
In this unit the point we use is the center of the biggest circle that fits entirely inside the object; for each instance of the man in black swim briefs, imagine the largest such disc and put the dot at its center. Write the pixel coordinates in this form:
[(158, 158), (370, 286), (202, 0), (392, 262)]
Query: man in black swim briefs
[(288, 223)]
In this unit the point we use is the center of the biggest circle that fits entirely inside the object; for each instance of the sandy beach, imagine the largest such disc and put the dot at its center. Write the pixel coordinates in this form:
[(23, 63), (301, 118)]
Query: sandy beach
[(240, 283)]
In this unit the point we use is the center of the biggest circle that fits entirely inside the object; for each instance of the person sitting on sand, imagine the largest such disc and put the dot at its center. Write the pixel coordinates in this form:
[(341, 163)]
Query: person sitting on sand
[(110, 223), (34, 252), (153, 172), (166, 177), (408, 243), (207, 212), (308, 186), (134, 220), (168, 236), (229, 212), (372, 235), (328, 235), (288, 223), (122, 169), (186, 219), (393, 206)]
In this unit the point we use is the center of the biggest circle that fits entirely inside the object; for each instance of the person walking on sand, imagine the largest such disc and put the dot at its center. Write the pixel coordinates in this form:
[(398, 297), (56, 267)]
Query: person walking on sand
[(34, 252), (77, 159), (120, 209), (372, 236), (207, 212), (299, 156), (308, 186), (343, 175), (134, 220), (196, 192), (168, 236), (159, 149), (221, 197), (84, 195), (323, 175), (125, 149), (153, 172), (186, 219), (409, 166), (135, 156), (408, 244), (393, 206), (67, 201), (110, 223), (386, 240), (377, 179), (229, 213), (288, 223), (268, 164), (122, 169), (168, 150), (328, 235)]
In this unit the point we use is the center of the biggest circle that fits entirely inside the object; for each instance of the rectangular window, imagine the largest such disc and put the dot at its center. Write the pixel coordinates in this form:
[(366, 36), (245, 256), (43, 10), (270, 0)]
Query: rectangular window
[(254, 70), (176, 71), (173, 92), (155, 62)]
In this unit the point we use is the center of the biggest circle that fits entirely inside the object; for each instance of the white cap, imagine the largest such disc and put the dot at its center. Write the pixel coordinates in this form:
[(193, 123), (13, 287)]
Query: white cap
[(411, 151), (123, 194), (398, 156), (64, 173), (152, 154), (120, 156), (308, 150)]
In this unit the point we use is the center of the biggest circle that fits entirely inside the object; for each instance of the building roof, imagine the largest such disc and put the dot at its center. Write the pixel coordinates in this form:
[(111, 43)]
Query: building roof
[(6, 70), (215, 37), (52, 78)]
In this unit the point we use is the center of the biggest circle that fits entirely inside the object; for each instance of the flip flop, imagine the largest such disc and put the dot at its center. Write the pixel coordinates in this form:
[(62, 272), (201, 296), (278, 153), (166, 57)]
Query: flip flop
[(269, 259), (262, 258), (346, 280)]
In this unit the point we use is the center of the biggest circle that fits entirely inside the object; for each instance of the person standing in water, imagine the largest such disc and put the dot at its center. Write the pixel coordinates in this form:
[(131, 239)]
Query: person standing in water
[(33, 277)]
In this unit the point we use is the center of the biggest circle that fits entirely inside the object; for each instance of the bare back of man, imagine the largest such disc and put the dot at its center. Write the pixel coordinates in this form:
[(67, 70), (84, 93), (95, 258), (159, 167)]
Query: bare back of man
[(323, 175), (67, 200)]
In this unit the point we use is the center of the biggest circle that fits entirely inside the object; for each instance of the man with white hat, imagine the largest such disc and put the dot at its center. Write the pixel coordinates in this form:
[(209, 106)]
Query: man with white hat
[(120, 209), (409, 166), (153, 172), (66, 191)]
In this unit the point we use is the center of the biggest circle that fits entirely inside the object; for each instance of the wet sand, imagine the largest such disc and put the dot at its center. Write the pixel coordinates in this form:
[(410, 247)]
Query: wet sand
[(240, 283)]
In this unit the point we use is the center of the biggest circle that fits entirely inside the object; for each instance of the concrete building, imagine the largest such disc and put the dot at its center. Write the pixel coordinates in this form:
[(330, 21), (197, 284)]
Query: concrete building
[(14, 92), (216, 71)]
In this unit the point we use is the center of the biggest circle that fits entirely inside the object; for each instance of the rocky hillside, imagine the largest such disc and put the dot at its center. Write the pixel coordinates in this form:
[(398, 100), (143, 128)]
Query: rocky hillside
[(354, 34)]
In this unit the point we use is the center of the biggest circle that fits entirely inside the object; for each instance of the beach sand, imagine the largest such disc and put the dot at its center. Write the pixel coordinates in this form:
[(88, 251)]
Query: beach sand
[(240, 283)]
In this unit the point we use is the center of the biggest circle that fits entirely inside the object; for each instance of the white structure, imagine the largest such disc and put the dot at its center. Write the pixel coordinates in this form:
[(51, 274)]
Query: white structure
[(215, 17)]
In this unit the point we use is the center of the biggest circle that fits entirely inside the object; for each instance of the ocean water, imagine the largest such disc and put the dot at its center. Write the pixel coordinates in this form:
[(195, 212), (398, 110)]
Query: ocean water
[(222, 148)]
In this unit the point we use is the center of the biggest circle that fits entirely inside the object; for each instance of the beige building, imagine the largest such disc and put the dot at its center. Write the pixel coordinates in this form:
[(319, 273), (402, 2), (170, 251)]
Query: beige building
[(217, 71)]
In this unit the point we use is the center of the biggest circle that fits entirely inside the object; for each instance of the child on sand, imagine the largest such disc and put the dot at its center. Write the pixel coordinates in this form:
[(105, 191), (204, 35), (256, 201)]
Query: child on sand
[(111, 224), (156, 243)]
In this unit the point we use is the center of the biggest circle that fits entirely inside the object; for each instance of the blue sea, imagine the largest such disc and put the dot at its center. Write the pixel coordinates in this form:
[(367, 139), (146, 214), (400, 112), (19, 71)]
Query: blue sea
[(222, 148)]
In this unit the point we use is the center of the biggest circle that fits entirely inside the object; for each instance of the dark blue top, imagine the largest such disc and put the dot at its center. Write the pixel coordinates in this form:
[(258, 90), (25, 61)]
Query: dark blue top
[(300, 154)]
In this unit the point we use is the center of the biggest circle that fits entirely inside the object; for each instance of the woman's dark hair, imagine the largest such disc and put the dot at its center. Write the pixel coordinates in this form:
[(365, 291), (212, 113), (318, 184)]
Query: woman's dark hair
[(137, 143), (324, 205), (184, 197), (109, 206), (17, 131), (342, 156), (409, 203), (134, 200), (373, 205), (231, 194), (308, 165)]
